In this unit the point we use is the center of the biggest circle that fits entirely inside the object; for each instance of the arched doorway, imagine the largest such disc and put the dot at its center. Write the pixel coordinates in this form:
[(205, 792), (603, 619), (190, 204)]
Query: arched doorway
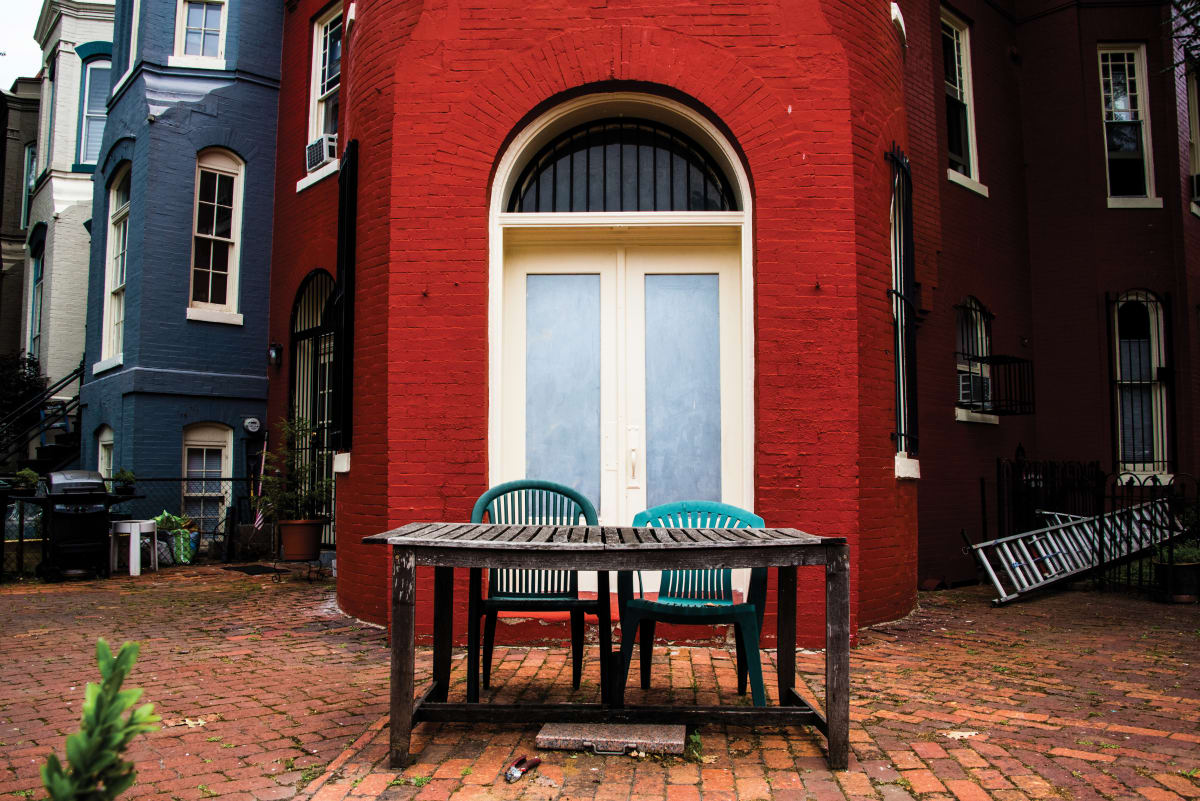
[(621, 311), (312, 386)]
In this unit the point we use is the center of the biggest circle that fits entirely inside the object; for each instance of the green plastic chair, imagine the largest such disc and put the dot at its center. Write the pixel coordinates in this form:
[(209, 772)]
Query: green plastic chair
[(530, 501), (698, 596)]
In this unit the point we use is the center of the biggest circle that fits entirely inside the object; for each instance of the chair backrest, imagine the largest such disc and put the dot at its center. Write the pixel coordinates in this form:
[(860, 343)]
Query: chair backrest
[(714, 584), (533, 502)]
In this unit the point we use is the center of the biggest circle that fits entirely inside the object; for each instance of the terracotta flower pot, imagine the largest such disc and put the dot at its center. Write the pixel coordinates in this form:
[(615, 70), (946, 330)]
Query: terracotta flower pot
[(300, 539)]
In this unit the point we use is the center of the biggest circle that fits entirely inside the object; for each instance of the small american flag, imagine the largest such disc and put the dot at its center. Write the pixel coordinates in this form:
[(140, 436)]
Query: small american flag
[(260, 517)]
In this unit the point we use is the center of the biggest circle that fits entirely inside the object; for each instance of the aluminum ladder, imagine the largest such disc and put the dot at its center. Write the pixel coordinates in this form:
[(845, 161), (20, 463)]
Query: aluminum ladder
[(1071, 545)]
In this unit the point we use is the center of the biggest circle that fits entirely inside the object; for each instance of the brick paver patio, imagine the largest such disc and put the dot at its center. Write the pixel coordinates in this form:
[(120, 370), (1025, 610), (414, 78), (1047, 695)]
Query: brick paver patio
[(268, 693)]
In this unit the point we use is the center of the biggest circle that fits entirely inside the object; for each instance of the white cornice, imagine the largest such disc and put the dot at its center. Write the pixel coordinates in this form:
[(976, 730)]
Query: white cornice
[(52, 10)]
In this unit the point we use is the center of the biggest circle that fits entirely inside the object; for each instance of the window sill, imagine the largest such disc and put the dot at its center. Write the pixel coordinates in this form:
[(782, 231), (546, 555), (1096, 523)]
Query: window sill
[(196, 62), (317, 176), (1195, 207), (968, 416), (82, 167), (956, 177), (907, 467), (1135, 203), (108, 364), (213, 316), (1147, 476)]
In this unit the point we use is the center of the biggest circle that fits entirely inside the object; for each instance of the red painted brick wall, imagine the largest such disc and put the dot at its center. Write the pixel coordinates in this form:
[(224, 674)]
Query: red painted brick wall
[(810, 92)]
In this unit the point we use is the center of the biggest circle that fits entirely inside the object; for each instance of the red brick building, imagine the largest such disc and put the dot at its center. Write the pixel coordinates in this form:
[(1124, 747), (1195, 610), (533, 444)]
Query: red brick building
[(554, 180), (1073, 228)]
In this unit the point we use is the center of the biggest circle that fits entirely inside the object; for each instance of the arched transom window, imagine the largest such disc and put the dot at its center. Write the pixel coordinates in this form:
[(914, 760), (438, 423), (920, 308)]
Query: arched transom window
[(621, 164)]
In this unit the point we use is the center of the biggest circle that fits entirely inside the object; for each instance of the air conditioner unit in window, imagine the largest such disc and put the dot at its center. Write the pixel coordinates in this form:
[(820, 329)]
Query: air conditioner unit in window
[(974, 390), (320, 151)]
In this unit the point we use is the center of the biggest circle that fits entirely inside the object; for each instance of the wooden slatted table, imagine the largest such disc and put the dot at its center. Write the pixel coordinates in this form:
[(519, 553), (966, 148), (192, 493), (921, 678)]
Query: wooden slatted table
[(477, 546)]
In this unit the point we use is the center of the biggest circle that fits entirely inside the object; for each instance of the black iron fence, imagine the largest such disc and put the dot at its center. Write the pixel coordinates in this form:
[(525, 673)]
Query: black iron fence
[(1154, 529), (1025, 487), (21, 544), (1140, 532), (216, 507)]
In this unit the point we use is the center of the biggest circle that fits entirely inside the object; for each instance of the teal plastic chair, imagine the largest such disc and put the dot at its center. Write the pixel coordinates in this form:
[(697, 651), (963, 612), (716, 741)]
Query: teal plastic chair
[(530, 501), (698, 596)]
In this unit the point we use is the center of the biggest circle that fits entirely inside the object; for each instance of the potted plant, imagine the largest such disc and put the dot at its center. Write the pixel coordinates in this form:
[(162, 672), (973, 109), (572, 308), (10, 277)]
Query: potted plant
[(123, 481), (1179, 569), (25, 481), (293, 494)]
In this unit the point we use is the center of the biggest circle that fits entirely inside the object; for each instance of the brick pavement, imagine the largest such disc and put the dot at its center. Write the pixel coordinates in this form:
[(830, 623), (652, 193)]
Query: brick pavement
[(269, 693)]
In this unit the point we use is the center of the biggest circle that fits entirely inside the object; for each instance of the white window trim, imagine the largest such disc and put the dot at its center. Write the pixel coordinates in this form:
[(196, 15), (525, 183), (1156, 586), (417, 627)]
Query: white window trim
[(181, 59), (1160, 431), (110, 355), (107, 364), (208, 435), (967, 416), (907, 467), (222, 162), (133, 43), (81, 145), (318, 175), (956, 177), (315, 117), (1151, 200), (207, 315), (964, 31)]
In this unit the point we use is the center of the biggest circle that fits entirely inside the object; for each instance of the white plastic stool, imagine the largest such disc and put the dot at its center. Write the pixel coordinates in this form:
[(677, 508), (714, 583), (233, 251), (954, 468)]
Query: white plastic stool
[(134, 529)]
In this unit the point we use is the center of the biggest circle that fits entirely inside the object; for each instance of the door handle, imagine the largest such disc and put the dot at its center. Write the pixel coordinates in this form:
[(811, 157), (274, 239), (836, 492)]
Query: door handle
[(633, 463)]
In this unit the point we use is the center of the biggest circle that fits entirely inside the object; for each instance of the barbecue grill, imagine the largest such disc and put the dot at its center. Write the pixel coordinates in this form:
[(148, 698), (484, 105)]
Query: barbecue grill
[(76, 522)]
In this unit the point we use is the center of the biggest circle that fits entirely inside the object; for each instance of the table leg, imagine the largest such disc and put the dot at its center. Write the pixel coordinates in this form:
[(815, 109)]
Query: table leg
[(443, 630), (616, 666), (135, 550), (404, 652), (605, 635), (785, 660), (475, 593), (837, 653)]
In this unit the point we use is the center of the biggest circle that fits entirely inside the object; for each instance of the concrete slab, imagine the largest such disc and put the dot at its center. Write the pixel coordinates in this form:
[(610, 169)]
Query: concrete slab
[(613, 738)]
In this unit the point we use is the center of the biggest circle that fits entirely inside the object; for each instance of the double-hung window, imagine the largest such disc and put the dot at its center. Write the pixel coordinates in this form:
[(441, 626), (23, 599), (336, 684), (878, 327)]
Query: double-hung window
[(118, 243), (106, 447), (1140, 373), (1125, 109), (327, 74), (200, 27), (974, 349), (35, 310), (96, 83), (28, 182), (216, 236), (960, 103), (207, 459)]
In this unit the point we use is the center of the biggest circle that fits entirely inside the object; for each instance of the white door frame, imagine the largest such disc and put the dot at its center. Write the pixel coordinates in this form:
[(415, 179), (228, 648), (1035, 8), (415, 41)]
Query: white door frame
[(526, 144)]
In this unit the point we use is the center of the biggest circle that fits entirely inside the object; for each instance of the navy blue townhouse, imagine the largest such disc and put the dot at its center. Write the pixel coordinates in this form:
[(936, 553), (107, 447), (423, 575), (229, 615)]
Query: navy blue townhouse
[(176, 351)]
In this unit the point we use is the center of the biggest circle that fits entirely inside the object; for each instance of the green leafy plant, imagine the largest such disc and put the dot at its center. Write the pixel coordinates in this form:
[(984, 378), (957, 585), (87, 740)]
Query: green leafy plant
[(95, 770), (291, 486), (26, 478), (124, 476)]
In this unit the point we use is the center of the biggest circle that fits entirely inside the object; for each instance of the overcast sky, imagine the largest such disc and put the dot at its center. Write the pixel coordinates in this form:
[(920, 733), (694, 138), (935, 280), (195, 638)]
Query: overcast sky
[(21, 56)]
